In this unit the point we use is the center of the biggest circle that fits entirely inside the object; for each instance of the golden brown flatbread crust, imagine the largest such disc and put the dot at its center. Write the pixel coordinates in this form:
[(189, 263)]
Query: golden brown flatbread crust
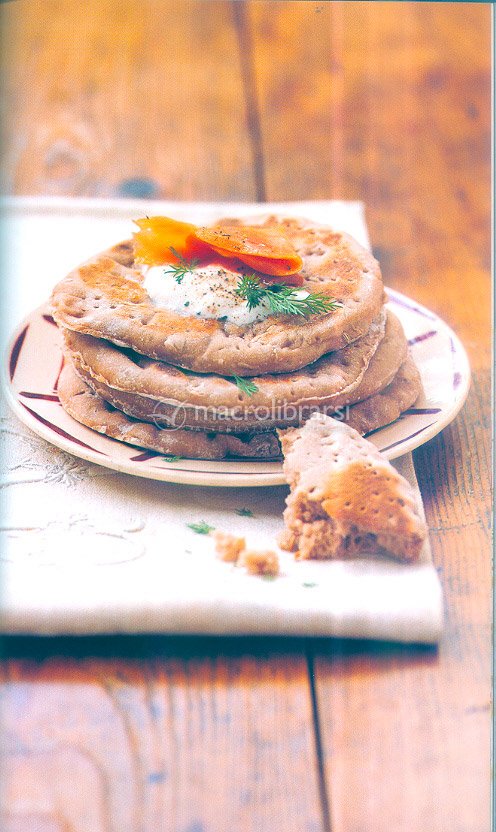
[(152, 390), (386, 406), (105, 298), (346, 499), (84, 405)]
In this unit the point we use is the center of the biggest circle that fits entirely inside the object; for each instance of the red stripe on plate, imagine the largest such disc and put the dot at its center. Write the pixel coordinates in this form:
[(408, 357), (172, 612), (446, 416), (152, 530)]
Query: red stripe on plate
[(421, 411), (60, 431), (56, 382), (49, 319), (145, 456), (405, 439), (46, 397), (419, 338), (227, 473), (16, 351)]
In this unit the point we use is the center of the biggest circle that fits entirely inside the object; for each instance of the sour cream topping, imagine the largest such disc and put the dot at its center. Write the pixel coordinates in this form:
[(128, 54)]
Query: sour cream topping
[(206, 292)]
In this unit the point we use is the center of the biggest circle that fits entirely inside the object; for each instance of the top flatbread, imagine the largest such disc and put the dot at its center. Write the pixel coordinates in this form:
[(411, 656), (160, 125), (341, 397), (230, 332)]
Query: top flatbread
[(105, 298)]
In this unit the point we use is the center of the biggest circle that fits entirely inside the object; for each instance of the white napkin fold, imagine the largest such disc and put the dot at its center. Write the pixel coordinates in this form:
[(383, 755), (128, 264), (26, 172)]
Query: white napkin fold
[(89, 550)]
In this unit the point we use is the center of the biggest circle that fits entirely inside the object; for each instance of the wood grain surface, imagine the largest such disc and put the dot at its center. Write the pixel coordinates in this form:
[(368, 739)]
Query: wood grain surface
[(384, 102)]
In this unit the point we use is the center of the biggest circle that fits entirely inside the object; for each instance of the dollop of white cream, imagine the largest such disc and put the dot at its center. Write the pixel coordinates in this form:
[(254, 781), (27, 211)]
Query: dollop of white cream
[(205, 292)]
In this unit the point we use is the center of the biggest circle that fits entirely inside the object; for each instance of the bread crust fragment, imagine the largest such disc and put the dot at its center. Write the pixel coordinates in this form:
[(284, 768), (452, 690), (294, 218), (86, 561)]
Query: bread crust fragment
[(346, 500)]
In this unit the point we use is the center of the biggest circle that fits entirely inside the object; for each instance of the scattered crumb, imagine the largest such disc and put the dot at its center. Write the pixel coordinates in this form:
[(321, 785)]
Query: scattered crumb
[(259, 563), (288, 540), (233, 549), (229, 547)]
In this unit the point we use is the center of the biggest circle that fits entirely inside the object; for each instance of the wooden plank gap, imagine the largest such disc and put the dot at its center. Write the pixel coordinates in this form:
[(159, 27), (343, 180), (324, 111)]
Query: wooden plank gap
[(319, 746), (253, 121)]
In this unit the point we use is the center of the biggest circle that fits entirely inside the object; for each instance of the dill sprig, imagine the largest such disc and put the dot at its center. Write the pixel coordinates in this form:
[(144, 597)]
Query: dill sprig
[(250, 289), (244, 512), (282, 299), (246, 385), (201, 527), (285, 300), (182, 267)]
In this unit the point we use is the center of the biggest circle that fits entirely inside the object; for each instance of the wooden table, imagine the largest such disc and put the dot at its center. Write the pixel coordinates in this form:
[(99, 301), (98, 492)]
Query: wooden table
[(385, 102)]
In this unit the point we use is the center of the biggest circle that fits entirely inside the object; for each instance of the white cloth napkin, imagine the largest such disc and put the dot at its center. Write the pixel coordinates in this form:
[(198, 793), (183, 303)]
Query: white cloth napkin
[(88, 550)]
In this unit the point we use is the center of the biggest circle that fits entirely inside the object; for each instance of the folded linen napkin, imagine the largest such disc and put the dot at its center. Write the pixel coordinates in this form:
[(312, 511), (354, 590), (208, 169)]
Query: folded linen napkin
[(88, 550)]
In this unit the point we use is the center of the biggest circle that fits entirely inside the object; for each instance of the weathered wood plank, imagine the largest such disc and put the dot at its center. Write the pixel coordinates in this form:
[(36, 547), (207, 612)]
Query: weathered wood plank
[(200, 739), (394, 109), (395, 104), (407, 734), (180, 735), (106, 91)]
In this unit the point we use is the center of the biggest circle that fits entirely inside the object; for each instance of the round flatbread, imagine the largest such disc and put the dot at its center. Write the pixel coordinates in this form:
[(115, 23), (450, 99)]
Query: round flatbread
[(84, 405), (105, 297), (387, 405), (140, 385)]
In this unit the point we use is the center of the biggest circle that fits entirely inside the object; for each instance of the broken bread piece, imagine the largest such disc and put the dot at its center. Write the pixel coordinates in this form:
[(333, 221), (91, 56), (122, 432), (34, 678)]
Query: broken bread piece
[(229, 547), (345, 499)]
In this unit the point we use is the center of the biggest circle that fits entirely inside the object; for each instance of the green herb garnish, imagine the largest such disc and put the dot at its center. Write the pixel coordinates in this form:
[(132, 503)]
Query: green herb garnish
[(244, 512), (182, 267), (201, 527), (283, 300), (172, 458), (251, 290), (309, 584), (246, 385)]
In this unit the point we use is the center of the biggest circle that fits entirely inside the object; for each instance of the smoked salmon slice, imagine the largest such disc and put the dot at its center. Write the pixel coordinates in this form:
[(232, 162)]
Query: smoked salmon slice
[(267, 251)]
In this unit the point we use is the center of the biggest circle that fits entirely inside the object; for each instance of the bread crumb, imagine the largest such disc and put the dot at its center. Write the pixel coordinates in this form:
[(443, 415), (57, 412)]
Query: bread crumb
[(288, 540), (229, 547), (259, 563), (233, 550)]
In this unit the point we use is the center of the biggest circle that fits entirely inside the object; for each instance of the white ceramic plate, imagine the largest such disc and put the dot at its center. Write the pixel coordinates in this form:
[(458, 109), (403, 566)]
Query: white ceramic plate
[(34, 360)]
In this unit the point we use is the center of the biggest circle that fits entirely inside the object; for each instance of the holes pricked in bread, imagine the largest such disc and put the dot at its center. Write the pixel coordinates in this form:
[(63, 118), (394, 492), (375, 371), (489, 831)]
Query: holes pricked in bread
[(77, 313)]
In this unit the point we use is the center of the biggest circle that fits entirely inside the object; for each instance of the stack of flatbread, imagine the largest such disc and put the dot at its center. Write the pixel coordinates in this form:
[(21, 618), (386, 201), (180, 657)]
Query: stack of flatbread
[(209, 388)]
